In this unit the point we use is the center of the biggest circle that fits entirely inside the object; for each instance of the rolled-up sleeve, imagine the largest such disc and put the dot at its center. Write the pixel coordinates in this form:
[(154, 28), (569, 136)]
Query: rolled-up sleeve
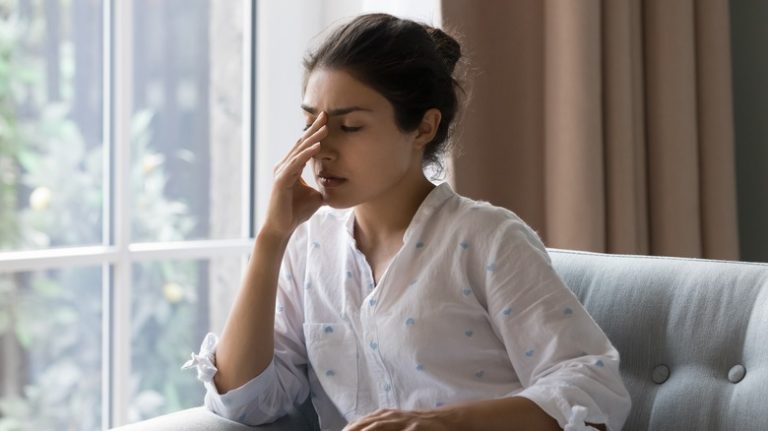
[(565, 362), (284, 384)]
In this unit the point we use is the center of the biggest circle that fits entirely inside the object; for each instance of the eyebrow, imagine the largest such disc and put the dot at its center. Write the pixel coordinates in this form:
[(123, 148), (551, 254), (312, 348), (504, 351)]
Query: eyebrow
[(334, 112)]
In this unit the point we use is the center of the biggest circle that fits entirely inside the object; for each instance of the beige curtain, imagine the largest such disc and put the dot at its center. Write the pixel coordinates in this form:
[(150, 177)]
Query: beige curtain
[(607, 126)]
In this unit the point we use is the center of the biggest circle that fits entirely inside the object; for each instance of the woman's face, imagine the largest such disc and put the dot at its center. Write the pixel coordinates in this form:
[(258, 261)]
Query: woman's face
[(364, 145)]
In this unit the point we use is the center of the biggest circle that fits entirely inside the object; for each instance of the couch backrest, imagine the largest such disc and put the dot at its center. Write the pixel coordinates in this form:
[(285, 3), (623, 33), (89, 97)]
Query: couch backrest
[(692, 335)]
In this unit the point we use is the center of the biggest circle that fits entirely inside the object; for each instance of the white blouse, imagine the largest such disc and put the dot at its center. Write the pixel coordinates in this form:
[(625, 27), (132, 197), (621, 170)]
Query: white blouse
[(470, 308)]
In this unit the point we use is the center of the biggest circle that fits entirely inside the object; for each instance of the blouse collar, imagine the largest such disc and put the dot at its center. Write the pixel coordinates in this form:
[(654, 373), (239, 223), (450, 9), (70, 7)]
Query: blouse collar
[(434, 199)]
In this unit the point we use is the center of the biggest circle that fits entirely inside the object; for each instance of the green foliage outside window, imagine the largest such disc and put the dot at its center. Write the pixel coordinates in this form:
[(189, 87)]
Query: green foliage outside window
[(51, 193)]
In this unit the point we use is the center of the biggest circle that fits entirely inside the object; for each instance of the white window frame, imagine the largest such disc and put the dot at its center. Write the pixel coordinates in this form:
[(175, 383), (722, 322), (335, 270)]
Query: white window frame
[(117, 255), (117, 341)]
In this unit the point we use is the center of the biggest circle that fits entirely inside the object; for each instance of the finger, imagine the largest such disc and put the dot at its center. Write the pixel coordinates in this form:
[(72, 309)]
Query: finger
[(371, 419), (314, 127), (319, 134), (386, 425), (311, 141), (291, 171), (320, 120)]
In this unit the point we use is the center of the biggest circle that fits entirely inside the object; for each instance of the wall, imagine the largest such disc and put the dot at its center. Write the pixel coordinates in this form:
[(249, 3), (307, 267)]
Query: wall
[(749, 47)]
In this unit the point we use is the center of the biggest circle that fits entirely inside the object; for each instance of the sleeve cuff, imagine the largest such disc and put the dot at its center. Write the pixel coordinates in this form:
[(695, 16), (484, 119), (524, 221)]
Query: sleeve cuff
[(570, 417), (204, 361), (236, 403), (233, 404)]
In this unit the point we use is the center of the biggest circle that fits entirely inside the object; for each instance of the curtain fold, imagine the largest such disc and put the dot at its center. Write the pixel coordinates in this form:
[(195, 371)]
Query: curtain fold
[(606, 125)]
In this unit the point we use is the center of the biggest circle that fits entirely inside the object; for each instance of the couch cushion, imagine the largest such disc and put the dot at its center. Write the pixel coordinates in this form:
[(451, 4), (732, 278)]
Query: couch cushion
[(683, 328), (201, 419)]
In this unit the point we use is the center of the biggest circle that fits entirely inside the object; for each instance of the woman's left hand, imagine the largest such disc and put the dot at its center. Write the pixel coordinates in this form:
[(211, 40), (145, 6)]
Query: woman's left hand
[(401, 420)]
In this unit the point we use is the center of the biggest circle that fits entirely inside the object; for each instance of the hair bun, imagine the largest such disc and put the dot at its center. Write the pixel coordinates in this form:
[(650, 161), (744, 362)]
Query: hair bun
[(447, 47)]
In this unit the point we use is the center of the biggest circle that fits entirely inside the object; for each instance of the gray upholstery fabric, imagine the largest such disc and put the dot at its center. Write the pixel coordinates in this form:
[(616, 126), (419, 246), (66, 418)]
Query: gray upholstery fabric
[(691, 334), (201, 419), (698, 318)]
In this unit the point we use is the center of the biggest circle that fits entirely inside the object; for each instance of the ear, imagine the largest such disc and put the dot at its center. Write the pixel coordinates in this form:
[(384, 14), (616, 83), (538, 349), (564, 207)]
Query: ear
[(427, 128)]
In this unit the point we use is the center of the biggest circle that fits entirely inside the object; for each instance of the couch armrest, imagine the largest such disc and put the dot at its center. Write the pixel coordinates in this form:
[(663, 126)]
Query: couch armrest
[(202, 419)]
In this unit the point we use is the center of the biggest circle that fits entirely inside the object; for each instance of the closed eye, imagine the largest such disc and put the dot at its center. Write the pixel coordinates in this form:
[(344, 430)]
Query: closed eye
[(344, 128)]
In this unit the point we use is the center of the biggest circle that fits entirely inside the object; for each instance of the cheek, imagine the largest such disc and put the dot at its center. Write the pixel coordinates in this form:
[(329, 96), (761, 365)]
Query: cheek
[(391, 147), (390, 155)]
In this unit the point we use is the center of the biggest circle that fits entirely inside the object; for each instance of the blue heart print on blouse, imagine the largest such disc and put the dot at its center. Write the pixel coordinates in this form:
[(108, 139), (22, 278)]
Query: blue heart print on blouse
[(420, 367), (315, 244), (467, 291), (349, 274), (600, 363), (410, 321), (372, 302), (480, 374), (464, 245), (529, 353), (330, 373), (419, 244), (507, 311), (374, 345), (568, 311), (328, 329), (491, 267), (468, 332)]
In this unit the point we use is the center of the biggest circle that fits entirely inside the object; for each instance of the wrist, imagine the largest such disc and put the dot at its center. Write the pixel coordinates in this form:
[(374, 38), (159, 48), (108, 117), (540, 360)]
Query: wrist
[(454, 417), (274, 238)]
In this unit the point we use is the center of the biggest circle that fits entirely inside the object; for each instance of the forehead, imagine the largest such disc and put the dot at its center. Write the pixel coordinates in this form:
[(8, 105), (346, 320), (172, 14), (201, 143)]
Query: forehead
[(331, 89)]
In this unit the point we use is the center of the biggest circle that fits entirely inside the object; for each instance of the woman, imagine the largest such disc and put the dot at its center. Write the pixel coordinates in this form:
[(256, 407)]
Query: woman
[(400, 305)]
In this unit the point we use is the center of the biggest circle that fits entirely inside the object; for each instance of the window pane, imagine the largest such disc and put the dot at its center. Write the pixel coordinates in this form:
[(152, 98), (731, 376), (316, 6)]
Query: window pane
[(50, 123), (187, 121), (50, 350), (175, 303)]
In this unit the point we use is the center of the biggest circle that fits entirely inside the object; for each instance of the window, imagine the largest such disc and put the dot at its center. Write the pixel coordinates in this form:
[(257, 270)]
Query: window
[(125, 202), (130, 189)]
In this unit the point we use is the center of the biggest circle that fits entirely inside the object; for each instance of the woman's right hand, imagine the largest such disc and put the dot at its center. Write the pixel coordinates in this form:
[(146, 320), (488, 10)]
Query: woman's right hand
[(292, 201)]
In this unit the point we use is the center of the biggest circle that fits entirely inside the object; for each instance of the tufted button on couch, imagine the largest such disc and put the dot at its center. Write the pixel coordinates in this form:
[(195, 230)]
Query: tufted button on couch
[(692, 334)]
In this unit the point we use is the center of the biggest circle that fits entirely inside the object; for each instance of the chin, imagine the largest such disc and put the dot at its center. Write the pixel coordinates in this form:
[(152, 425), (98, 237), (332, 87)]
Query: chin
[(336, 202)]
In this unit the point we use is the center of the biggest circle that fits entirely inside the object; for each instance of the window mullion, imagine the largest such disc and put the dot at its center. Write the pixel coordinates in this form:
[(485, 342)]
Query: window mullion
[(106, 267), (121, 110), (249, 117)]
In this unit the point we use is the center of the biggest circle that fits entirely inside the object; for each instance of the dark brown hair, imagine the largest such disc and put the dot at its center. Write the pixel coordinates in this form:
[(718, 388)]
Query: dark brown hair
[(411, 64)]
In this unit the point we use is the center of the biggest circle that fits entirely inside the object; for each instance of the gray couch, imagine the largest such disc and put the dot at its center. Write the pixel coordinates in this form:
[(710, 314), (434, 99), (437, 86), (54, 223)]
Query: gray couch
[(692, 334)]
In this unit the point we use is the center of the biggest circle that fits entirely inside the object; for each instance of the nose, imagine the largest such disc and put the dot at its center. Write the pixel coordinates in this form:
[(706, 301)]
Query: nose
[(327, 151)]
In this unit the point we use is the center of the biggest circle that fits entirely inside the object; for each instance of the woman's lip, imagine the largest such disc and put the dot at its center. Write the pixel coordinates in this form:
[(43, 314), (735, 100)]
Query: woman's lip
[(327, 175), (321, 175), (331, 182)]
